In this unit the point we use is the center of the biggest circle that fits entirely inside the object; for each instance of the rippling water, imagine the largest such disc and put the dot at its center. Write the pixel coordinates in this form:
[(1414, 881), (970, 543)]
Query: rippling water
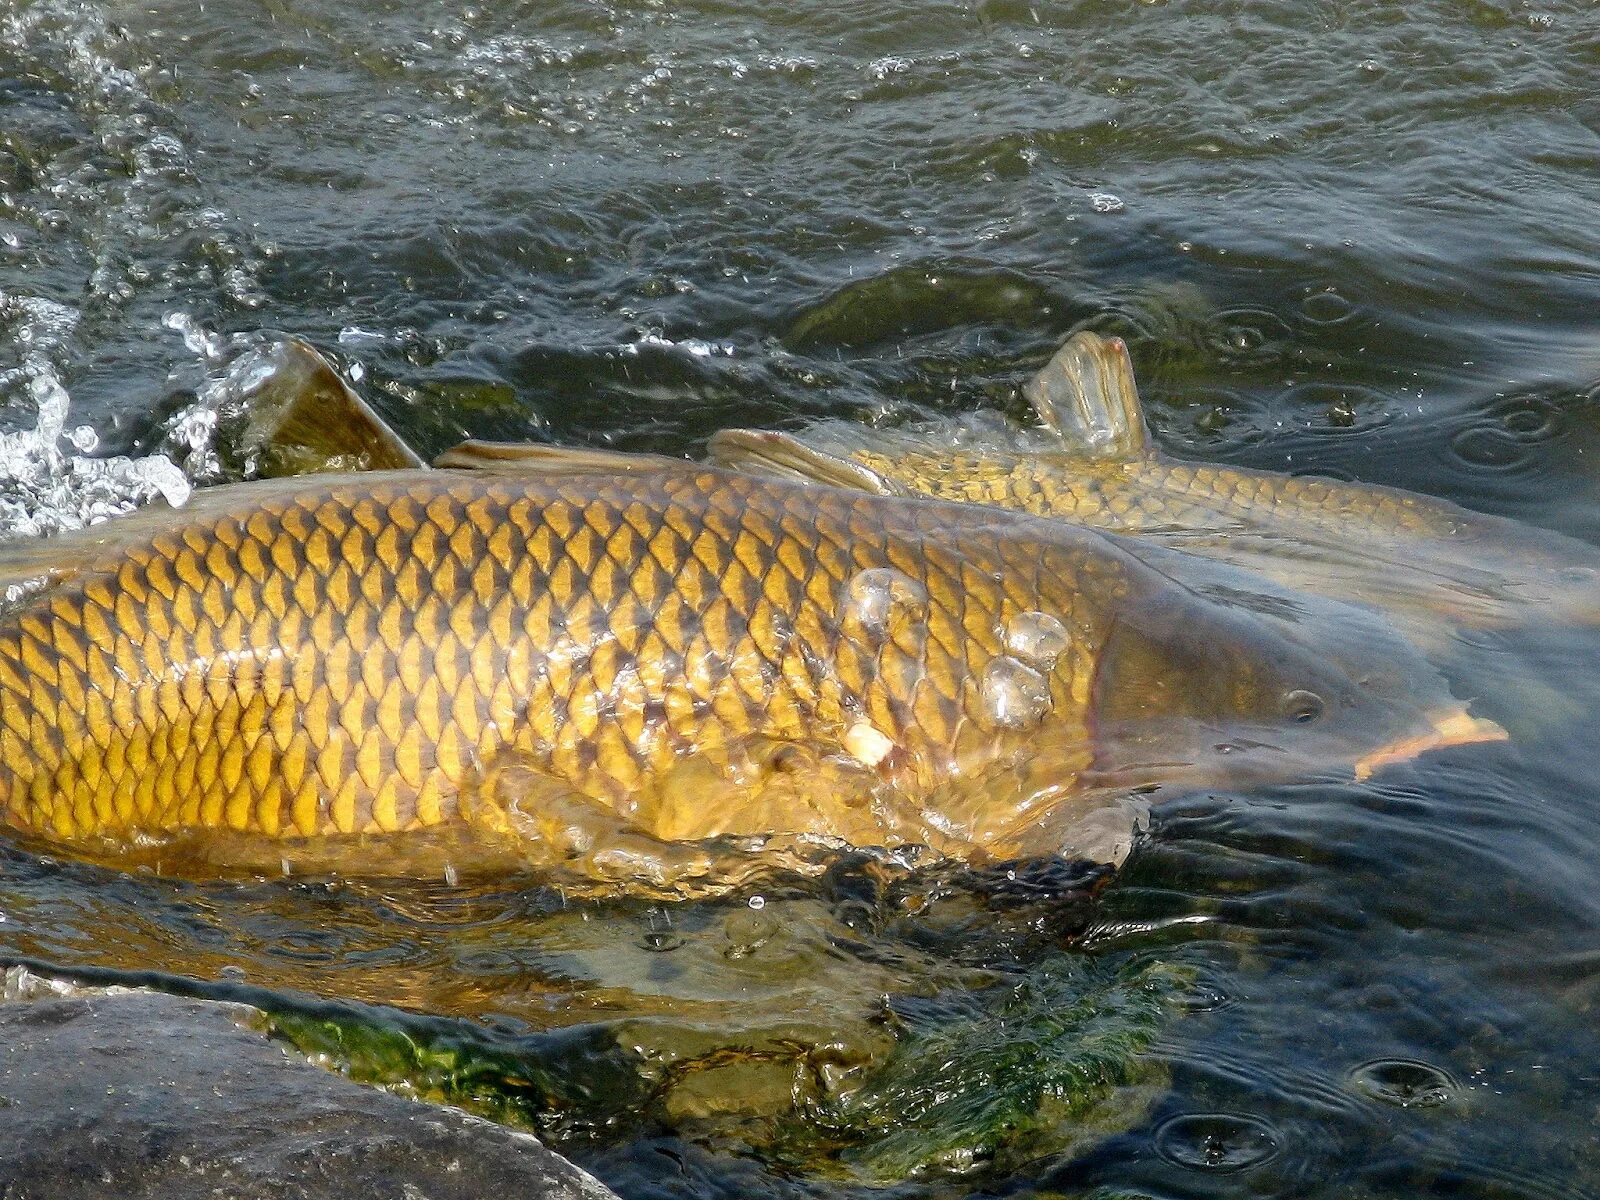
[(1348, 238)]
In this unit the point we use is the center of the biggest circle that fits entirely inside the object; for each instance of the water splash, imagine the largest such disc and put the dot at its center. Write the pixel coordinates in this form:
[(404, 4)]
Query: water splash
[(44, 486)]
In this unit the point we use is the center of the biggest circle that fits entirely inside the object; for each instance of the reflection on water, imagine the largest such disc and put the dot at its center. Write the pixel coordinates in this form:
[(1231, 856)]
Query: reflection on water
[(1351, 240)]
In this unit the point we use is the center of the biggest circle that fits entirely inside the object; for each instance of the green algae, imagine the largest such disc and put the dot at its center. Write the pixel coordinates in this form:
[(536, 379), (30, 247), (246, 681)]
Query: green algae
[(1047, 1062), (568, 1083)]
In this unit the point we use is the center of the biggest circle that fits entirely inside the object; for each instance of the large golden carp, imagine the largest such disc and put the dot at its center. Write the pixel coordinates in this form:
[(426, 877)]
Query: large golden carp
[(1420, 560), (606, 667)]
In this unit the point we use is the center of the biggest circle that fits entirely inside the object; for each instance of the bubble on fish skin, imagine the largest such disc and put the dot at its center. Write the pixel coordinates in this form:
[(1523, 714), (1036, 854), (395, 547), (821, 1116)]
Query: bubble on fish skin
[(1013, 694), (1036, 638), (876, 598)]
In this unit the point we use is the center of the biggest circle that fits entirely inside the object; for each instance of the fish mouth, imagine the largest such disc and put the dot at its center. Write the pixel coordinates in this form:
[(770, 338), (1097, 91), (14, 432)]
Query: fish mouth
[(1454, 728)]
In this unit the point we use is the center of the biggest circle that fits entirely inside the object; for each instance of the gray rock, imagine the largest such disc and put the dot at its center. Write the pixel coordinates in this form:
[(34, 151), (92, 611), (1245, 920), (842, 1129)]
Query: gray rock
[(139, 1094)]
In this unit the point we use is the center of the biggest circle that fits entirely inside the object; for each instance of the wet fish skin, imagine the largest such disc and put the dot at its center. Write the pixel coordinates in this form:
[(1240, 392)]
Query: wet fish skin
[(595, 668)]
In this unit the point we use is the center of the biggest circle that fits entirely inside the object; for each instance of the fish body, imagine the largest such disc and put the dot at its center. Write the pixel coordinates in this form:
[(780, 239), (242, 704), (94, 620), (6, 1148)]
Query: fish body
[(601, 670), (1419, 560)]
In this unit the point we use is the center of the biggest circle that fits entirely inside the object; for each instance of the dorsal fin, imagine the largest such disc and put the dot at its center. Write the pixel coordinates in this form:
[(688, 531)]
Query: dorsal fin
[(531, 457), (760, 452), (1086, 395), (305, 418)]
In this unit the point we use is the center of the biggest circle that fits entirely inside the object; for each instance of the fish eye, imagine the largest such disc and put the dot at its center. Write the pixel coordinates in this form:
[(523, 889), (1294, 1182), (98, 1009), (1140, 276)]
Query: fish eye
[(1302, 707)]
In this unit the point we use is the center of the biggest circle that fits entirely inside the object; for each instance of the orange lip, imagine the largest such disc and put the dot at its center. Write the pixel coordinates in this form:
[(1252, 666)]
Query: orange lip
[(1456, 728)]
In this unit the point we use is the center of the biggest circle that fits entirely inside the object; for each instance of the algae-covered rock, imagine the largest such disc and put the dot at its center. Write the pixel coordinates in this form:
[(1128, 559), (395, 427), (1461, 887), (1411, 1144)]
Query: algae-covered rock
[(1047, 1063)]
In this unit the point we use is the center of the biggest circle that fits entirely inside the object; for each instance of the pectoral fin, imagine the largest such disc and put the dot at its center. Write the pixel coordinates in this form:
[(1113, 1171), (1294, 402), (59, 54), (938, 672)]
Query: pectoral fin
[(1086, 395), (533, 458), (555, 826), (1097, 825), (763, 453)]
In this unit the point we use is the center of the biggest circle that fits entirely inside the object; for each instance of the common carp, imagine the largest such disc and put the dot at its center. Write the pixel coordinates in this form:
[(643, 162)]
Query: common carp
[(1419, 560), (646, 673)]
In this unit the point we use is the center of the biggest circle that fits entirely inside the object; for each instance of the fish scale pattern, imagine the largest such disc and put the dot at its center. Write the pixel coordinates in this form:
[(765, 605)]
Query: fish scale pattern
[(347, 656), (1147, 494)]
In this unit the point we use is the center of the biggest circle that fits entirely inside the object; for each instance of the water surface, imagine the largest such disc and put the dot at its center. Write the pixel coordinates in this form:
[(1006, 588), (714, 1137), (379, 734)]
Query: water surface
[(1347, 238)]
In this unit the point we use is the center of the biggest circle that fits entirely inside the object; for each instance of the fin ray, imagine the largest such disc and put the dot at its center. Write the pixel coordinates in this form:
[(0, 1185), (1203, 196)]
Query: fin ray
[(760, 452), (537, 458), (1086, 395), (305, 418)]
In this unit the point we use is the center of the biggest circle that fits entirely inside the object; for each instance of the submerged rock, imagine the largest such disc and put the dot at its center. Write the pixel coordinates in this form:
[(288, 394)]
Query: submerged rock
[(139, 1094)]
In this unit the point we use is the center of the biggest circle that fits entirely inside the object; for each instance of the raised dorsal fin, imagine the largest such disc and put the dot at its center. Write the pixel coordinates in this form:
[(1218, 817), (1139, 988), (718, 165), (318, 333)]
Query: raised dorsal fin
[(1087, 397), (531, 457), (760, 452), (305, 418)]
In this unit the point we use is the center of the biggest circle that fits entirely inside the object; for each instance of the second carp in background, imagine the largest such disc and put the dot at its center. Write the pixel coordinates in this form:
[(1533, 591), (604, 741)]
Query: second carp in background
[(1427, 564)]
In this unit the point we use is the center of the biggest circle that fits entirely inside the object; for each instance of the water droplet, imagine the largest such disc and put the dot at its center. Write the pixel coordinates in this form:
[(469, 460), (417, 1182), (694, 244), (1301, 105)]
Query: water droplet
[(1105, 202), (1014, 695), (1404, 1083), (1216, 1142), (1534, 418), (1204, 996), (1489, 448), (1036, 638), (877, 598), (660, 941), (1326, 307), (747, 932)]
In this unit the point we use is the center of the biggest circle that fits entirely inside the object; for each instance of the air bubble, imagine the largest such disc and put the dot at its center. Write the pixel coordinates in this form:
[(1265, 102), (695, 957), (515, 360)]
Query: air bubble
[(1037, 638), (877, 598), (1014, 695)]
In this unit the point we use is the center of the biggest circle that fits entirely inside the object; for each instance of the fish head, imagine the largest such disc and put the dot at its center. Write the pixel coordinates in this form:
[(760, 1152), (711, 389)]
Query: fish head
[(1256, 689)]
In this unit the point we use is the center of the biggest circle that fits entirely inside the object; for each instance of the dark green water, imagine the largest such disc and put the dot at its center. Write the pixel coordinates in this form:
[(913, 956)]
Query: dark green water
[(1351, 238)]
